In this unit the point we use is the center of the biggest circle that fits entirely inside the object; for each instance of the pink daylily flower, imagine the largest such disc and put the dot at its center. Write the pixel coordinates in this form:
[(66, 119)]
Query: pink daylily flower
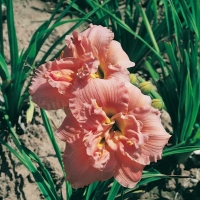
[(97, 41), (89, 54), (51, 85), (112, 131), (110, 128)]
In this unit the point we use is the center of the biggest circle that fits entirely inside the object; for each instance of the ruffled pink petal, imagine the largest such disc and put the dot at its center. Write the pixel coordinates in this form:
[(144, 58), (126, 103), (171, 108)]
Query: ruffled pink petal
[(157, 136), (65, 63), (117, 56), (92, 117), (100, 37), (117, 72), (51, 85), (111, 95), (126, 138), (137, 99), (80, 46), (67, 52), (128, 172), (89, 67), (69, 128), (133, 140), (104, 157), (79, 166), (44, 95)]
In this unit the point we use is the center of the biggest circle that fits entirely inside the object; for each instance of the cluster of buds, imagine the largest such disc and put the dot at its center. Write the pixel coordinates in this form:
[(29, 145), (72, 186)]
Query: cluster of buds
[(146, 88)]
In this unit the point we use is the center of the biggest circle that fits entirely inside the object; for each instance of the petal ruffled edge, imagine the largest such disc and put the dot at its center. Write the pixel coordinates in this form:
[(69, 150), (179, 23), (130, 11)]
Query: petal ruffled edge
[(103, 157), (117, 56), (100, 37), (68, 129), (111, 95), (51, 94), (128, 172), (157, 136), (137, 99), (117, 72), (78, 165), (92, 117), (43, 94)]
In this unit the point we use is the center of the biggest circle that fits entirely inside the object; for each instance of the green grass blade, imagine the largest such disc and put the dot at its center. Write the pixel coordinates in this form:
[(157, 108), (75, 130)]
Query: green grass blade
[(51, 137), (167, 16), (33, 40), (56, 10), (46, 173), (43, 32), (173, 62), (14, 152), (188, 17), (76, 7), (155, 12), (150, 176), (12, 36), (101, 189), (4, 69), (91, 190), (99, 12), (178, 150), (56, 148), (114, 190), (178, 26), (152, 71), (30, 111), (149, 30), (197, 14), (1, 30)]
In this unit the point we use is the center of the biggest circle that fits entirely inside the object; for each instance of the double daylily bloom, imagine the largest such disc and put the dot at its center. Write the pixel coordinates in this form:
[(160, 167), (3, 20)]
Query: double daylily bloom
[(110, 128)]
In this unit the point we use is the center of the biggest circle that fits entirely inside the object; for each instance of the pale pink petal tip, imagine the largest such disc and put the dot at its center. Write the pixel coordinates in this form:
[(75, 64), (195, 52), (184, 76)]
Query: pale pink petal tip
[(43, 94), (158, 137), (101, 38), (117, 56), (128, 173), (51, 85), (68, 129)]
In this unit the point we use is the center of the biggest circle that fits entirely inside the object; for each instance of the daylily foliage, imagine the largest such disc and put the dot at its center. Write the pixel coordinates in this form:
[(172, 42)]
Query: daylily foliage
[(110, 128)]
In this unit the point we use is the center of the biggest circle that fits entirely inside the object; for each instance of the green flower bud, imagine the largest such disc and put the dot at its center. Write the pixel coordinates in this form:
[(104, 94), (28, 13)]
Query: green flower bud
[(196, 126), (145, 87), (157, 103), (133, 79)]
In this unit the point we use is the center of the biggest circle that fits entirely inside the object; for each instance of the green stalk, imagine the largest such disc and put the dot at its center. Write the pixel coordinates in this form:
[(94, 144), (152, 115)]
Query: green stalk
[(12, 37), (149, 30), (1, 30)]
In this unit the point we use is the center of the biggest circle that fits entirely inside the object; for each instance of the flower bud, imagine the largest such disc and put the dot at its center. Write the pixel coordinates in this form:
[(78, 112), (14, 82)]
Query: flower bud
[(157, 103), (196, 126), (133, 79), (145, 87)]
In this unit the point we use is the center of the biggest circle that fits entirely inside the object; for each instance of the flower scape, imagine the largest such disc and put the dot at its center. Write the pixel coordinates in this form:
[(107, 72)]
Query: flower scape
[(110, 128)]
